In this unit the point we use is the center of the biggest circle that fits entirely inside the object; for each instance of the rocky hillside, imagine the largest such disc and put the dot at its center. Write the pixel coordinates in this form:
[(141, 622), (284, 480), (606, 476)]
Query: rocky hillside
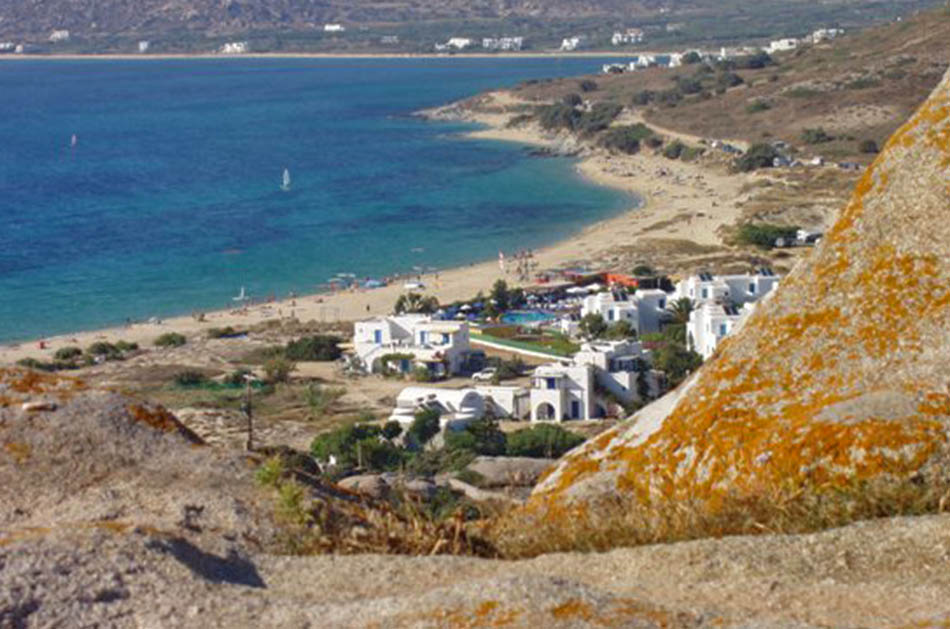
[(830, 403), (99, 22), (112, 514)]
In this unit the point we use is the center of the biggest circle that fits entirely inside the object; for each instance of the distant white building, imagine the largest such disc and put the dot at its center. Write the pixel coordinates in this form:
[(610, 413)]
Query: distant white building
[(576, 42), (581, 390), (629, 36), (143, 46), (711, 322), (59, 36), (234, 48), (732, 289), (404, 343), (507, 44), (783, 45), (643, 310), (7, 47), (333, 28), (614, 68), (826, 34), (457, 407), (389, 39), (644, 61)]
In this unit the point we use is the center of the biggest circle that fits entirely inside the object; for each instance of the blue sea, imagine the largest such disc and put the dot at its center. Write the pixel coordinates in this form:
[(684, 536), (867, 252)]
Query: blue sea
[(169, 199)]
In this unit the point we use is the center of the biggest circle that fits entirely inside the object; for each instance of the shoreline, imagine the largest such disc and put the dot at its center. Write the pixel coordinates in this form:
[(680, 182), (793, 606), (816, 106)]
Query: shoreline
[(637, 175), (554, 54)]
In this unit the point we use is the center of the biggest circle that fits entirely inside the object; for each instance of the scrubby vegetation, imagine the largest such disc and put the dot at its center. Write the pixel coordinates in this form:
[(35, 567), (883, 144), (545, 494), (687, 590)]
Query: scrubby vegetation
[(763, 235), (758, 156), (171, 339), (626, 138)]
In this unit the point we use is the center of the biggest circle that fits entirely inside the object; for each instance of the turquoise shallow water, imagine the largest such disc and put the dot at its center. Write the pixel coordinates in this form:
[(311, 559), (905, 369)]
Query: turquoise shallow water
[(169, 201)]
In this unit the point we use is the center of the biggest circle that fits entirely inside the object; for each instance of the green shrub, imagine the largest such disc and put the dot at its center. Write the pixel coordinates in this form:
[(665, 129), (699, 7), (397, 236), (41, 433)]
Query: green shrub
[(691, 57), (863, 83), (423, 427), (758, 156), (548, 441), (278, 370), (868, 146), (803, 92), (620, 330), (171, 339), (643, 270), (220, 333), (67, 353), (103, 348), (756, 106), (557, 116), (729, 79), (32, 363), (320, 347), (816, 136), (572, 100), (593, 326), (190, 378), (422, 374), (125, 346), (392, 429), (643, 98), (237, 377), (626, 138), (676, 362), (587, 85), (689, 85), (481, 437), (674, 149), (598, 118), (319, 399), (341, 443), (763, 235)]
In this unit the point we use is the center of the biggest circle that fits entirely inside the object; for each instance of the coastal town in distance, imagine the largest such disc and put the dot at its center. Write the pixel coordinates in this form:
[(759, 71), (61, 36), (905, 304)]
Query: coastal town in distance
[(459, 315)]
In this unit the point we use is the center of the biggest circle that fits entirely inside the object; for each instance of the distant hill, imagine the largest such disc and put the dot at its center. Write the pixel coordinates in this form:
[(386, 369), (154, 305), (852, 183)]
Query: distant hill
[(189, 25)]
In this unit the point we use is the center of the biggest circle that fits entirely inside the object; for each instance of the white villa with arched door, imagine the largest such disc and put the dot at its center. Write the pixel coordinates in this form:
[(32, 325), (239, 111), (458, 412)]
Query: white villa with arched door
[(579, 390)]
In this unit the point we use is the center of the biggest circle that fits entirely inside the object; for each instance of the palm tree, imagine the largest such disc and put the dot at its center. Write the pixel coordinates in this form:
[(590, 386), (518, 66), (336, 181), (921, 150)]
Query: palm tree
[(679, 310)]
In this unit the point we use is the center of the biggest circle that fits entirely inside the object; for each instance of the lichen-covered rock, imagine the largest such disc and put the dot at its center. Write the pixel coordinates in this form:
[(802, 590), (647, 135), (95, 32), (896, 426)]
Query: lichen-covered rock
[(841, 377)]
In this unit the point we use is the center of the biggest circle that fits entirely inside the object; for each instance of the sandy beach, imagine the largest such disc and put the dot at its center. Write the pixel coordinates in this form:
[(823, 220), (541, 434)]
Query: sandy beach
[(700, 198)]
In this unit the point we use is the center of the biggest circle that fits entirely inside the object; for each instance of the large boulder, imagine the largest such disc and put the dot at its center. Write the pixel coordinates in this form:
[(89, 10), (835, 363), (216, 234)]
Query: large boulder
[(835, 391)]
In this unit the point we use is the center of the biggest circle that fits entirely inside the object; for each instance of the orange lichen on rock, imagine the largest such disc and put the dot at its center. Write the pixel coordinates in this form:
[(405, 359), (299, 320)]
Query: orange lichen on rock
[(841, 377)]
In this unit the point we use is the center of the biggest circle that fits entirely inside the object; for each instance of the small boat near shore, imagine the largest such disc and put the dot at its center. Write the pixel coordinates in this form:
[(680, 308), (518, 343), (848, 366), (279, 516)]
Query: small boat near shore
[(285, 181)]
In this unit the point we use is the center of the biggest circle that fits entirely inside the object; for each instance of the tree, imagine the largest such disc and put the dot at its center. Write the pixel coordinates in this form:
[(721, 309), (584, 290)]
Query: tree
[(415, 303), (542, 441), (680, 310), (729, 79), (677, 362), (67, 353), (320, 347), (170, 339), (620, 330), (626, 138), (482, 437), (424, 426), (278, 369), (341, 443), (691, 57), (643, 270), (587, 85), (392, 429), (593, 326), (500, 296), (758, 156)]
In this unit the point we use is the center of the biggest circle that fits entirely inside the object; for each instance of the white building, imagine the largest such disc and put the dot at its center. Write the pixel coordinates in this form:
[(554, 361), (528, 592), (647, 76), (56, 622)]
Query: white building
[(574, 43), (389, 39), (58, 36), (7, 46), (733, 289), (643, 310), (506, 401), (783, 45), (580, 390), (826, 34), (614, 68), (509, 44), (457, 407), (333, 28), (234, 48), (143, 46), (711, 322), (629, 36), (406, 342), (644, 61)]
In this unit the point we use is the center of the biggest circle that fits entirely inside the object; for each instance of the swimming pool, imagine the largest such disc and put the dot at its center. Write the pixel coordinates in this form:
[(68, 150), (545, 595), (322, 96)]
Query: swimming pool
[(527, 317)]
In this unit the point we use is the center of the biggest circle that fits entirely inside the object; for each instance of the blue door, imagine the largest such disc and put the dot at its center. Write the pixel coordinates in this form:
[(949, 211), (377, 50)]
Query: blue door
[(378, 337), (575, 409)]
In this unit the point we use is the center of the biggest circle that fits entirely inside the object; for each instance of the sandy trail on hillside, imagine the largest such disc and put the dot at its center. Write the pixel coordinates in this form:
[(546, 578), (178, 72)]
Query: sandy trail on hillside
[(680, 201)]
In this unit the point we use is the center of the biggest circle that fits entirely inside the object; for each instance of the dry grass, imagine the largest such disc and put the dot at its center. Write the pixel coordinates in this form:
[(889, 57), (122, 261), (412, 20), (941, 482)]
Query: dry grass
[(619, 521)]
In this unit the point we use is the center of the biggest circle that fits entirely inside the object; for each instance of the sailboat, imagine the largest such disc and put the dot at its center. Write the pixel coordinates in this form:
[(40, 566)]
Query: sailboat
[(73, 141), (242, 296), (285, 183)]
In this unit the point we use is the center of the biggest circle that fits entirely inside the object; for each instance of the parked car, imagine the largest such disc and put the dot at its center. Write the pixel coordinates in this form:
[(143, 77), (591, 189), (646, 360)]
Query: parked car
[(485, 375)]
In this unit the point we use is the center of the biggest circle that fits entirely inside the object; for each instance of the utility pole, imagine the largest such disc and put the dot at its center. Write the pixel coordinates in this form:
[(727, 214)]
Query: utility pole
[(248, 410)]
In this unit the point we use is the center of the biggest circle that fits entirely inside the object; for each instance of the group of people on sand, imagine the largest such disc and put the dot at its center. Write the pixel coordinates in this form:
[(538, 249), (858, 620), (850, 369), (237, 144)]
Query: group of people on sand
[(524, 263)]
